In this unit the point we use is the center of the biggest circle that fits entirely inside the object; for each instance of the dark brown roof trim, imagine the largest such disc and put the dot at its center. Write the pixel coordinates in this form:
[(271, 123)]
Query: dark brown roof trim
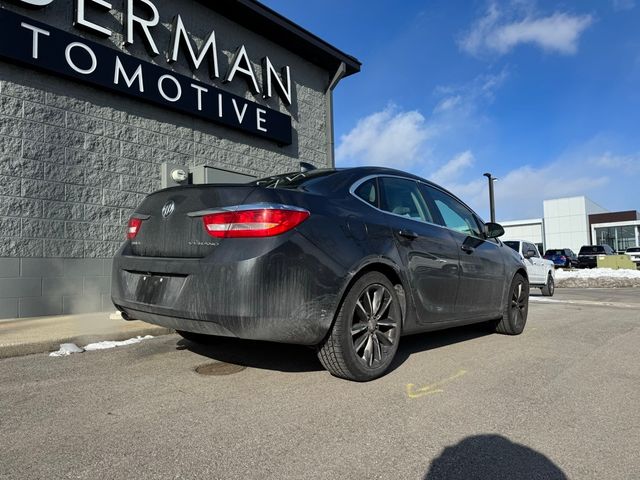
[(611, 217), (275, 27)]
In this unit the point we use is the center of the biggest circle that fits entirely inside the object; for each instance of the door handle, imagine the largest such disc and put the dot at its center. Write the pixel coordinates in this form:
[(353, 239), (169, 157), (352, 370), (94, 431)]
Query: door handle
[(410, 234), (466, 248)]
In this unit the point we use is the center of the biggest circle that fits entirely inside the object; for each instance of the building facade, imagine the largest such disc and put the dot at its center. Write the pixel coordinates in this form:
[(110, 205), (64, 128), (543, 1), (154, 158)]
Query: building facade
[(530, 229), (576, 221), (96, 96), (620, 230)]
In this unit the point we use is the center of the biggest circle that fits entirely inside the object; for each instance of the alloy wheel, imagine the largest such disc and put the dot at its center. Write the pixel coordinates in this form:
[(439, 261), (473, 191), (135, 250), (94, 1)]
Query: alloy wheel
[(374, 331), (519, 299)]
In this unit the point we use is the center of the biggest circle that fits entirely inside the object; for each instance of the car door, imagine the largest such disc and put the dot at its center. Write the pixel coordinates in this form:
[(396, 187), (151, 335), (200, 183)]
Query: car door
[(482, 269), (428, 251), (539, 269)]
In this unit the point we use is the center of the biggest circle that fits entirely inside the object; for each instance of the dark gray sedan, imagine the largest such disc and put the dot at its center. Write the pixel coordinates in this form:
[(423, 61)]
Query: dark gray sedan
[(346, 260)]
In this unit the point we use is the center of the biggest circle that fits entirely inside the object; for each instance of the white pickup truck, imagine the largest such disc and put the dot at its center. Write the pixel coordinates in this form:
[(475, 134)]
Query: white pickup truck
[(634, 255), (541, 272)]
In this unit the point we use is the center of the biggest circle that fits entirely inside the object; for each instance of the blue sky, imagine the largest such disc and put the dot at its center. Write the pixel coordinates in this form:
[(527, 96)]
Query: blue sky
[(545, 95)]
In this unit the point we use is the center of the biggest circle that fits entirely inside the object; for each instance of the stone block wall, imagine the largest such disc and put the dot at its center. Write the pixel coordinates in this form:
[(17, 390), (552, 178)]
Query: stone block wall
[(75, 160)]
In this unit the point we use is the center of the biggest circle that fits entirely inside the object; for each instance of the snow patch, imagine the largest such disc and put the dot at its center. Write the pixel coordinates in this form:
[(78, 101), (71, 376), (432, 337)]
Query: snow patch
[(598, 273), (67, 349), (112, 344), (598, 278)]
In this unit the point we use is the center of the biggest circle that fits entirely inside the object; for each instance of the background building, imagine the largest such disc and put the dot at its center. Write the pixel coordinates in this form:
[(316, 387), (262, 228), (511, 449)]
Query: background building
[(95, 96), (576, 221)]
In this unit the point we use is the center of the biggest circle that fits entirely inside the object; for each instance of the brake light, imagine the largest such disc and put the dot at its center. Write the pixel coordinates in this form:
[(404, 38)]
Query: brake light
[(134, 227), (562, 257), (263, 222)]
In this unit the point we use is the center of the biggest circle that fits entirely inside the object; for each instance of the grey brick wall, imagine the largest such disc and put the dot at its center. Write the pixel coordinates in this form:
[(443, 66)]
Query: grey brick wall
[(75, 160), (53, 286)]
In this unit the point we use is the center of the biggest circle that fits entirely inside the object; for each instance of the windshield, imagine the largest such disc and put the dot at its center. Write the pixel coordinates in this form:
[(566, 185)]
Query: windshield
[(587, 249), (512, 244), (293, 179)]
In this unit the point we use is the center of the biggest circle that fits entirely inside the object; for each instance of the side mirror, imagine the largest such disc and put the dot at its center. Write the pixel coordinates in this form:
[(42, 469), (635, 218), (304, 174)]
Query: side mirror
[(493, 230), (529, 253)]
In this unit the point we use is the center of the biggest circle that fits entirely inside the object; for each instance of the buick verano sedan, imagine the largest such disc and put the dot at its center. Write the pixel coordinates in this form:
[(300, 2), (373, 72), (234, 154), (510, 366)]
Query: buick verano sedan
[(345, 260)]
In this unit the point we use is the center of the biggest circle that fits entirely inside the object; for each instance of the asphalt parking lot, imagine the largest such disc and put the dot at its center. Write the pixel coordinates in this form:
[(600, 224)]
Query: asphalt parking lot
[(560, 401)]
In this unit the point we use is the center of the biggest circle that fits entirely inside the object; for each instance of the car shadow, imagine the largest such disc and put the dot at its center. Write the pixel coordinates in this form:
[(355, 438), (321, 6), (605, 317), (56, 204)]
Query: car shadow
[(423, 342), (297, 358), (492, 456), (256, 354)]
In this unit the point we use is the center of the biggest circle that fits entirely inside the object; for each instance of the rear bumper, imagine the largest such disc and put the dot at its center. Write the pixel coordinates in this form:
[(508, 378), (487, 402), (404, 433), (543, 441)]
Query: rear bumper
[(282, 295), (559, 263), (587, 262)]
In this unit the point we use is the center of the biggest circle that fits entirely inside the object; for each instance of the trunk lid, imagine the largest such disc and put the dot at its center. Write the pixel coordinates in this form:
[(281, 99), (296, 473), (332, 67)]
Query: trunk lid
[(168, 231)]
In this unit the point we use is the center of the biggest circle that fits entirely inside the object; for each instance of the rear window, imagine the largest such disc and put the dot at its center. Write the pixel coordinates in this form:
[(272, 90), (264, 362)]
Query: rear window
[(293, 180), (512, 244), (590, 249), (554, 252), (633, 249)]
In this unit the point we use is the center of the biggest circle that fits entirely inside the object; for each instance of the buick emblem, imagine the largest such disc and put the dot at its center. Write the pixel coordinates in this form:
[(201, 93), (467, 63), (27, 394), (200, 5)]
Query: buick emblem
[(168, 208)]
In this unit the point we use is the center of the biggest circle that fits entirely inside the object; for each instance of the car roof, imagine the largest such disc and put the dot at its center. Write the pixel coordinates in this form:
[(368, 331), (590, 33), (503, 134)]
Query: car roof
[(366, 171)]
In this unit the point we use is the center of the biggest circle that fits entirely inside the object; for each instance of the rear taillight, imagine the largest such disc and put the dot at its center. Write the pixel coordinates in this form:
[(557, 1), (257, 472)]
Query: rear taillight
[(563, 258), (262, 222), (133, 228)]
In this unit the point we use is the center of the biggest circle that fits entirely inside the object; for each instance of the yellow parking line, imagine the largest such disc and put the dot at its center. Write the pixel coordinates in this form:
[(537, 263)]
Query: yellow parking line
[(413, 392)]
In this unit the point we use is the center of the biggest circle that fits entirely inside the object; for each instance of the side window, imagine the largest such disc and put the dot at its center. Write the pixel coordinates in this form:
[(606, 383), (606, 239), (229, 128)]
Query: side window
[(368, 192), (454, 215), (531, 246), (403, 197)]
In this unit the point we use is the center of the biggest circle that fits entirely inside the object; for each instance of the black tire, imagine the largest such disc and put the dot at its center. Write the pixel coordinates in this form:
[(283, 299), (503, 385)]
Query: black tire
[(199, 338), (514, 316), (366, 332), (549, 289)]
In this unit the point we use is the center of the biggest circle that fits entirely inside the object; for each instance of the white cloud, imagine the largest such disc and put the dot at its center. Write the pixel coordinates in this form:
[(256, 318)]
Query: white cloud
[(387, 138), (452, 169), (519, 193), (622, 5), (406, 139), (500, 31), (467, 97), (628, 164)]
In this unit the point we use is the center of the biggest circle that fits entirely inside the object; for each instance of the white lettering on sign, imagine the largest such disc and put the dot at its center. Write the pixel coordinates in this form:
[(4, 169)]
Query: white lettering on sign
[(239, 114), (145, 24), (219, 105), (269, 74), (199, 89), (138, 22), (71, 63), (180, 33), (260, 120), (174, 80), (80, 18), (242, 64), (37, 3), (119, 70), (36, 31)]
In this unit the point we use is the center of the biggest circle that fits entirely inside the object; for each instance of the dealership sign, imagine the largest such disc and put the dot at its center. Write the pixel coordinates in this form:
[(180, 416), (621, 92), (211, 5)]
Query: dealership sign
[(29, 42)]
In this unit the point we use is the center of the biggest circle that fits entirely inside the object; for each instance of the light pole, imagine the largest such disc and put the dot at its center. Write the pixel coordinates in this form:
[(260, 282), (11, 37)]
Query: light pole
[(492, 204)]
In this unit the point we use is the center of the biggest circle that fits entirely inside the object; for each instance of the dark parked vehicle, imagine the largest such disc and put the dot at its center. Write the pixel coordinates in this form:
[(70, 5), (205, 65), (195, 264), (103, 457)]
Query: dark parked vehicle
[(562, 257), (588, 255), (344, 260)]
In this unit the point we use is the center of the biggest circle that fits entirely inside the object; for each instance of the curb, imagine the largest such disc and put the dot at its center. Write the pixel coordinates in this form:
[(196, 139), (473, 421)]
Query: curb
[(51, 345)]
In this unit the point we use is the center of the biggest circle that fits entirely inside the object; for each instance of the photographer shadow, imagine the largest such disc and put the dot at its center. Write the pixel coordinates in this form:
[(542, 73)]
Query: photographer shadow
[(492, 457)]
